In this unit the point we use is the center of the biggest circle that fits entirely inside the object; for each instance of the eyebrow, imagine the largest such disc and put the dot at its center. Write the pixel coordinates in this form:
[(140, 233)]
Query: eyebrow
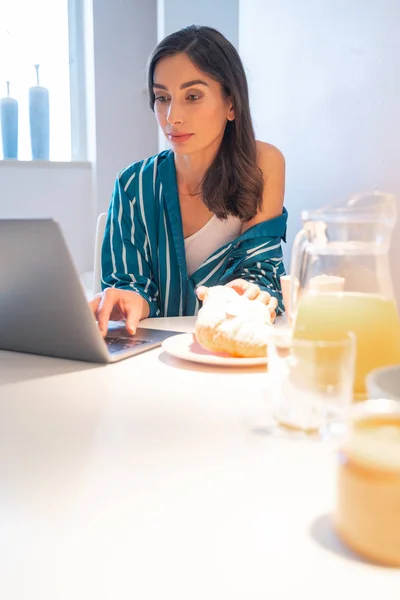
[(185, 85)]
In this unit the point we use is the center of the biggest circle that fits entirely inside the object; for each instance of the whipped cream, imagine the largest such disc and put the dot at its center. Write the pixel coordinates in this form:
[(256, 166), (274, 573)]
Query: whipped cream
[(236, 316)]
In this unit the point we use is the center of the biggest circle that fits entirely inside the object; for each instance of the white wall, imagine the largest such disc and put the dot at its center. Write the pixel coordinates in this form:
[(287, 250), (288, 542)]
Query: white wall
[(325, 88), (220, 14), (124, 35), (60, 192)]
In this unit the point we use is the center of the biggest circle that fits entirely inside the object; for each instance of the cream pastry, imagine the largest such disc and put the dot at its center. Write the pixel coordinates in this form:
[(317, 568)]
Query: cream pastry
[(229, 322)]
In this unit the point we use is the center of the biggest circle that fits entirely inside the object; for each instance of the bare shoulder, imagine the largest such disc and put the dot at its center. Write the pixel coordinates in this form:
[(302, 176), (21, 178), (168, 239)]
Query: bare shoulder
[(272, 164), (269, 156)]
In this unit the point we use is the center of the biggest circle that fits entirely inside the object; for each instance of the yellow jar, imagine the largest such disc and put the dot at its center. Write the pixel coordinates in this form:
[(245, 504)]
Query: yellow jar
[(367, 515)]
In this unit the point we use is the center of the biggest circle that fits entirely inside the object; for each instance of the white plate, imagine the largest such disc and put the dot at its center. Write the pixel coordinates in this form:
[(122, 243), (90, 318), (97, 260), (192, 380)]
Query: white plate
[(185, 346)]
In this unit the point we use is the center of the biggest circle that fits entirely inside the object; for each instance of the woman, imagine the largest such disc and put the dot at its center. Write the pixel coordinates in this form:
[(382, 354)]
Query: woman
[(209, 211)]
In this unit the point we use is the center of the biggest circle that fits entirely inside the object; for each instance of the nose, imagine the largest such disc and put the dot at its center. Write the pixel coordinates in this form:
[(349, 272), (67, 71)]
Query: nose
[(175, 114)]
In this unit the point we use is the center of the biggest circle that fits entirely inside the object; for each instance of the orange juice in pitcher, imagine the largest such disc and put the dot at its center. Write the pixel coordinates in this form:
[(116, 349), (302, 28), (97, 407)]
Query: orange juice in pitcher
[(350, 243), (372, 318)]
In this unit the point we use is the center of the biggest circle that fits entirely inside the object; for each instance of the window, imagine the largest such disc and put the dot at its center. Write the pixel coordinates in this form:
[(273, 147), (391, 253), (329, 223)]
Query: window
[(35, 32)]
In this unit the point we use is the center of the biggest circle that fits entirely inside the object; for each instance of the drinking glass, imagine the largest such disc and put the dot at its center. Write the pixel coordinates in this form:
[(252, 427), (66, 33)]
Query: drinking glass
[(310, 382)]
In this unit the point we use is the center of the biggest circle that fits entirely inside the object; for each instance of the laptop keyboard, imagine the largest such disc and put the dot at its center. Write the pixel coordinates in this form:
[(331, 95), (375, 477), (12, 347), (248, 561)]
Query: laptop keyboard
[(119, 344)]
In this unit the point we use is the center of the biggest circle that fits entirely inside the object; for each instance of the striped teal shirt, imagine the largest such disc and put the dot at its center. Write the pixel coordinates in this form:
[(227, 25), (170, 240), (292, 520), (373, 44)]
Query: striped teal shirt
[(143, 248)]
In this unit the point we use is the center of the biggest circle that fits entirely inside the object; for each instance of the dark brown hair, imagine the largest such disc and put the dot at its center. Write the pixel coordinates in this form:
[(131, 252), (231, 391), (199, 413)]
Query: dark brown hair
[(233, 184)]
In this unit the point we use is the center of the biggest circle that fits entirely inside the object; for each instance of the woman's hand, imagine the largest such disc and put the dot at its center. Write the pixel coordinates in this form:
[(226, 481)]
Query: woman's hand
[(250, 291), (116, 305)]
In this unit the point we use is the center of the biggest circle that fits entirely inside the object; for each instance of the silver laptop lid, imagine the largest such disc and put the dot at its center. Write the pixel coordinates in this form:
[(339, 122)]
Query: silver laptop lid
[(43, 308)]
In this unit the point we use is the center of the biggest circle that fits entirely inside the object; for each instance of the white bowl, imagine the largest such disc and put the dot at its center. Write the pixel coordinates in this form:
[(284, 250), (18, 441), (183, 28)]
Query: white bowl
[(384, 383)]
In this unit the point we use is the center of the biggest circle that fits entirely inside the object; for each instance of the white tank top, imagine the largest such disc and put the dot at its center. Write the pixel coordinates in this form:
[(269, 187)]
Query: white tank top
[(213, 235)]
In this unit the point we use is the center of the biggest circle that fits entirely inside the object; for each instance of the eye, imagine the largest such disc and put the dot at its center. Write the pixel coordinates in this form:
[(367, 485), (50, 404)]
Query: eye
[(161, 99), (193, 97)]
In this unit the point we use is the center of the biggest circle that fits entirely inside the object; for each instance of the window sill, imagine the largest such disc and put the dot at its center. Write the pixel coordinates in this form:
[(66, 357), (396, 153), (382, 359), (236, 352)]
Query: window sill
[(46, 164)]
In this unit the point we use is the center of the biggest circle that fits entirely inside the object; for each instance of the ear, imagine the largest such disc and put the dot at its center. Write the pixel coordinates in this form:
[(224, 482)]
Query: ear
[(231, 111)]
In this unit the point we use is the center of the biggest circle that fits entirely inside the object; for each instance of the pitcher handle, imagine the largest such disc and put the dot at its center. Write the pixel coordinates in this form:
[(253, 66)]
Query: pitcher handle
[(296, 270)]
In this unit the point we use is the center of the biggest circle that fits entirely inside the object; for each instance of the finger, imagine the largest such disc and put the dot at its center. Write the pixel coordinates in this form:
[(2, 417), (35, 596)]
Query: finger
[(116, 314), (239, 285), (94, 304), (104, 311), (252, 291), (134, 314), (273, 316), (272, 304), (264, 297), (201, 292)]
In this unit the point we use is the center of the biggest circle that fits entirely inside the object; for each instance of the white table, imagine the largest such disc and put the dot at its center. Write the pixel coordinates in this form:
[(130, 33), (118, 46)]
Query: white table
[(153, 479)]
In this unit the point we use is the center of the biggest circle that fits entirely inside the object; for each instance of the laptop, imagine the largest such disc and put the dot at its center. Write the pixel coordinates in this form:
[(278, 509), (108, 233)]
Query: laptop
[(43, 307)]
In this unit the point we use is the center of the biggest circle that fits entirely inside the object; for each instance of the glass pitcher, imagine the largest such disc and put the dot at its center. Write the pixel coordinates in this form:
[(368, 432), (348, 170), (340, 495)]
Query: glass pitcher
[(341, 281)]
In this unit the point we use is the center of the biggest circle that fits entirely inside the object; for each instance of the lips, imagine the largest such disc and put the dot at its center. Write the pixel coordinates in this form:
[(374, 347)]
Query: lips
[(179, 138)]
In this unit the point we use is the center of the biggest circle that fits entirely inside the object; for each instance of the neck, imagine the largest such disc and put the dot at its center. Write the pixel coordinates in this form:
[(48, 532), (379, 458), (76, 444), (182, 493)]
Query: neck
[(191, 168)]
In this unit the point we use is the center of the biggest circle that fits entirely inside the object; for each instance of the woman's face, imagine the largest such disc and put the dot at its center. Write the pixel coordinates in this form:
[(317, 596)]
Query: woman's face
[(190, 107)]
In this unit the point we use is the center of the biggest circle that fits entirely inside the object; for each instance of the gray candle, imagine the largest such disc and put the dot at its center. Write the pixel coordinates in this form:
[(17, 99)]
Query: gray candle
[(39, 118), (9, 125)]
